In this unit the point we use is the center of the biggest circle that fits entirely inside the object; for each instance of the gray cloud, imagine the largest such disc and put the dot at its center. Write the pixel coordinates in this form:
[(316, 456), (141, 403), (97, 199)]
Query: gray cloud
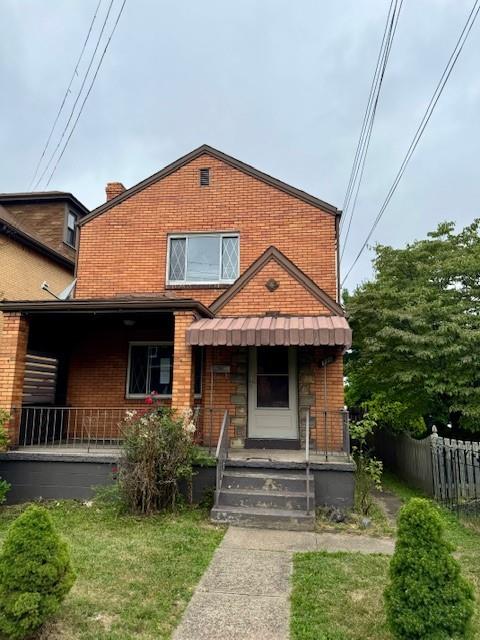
[(281, 85)]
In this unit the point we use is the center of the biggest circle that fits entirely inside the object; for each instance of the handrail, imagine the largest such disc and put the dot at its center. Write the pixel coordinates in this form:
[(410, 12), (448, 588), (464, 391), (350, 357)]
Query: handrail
[(307, 457), (221, 454)]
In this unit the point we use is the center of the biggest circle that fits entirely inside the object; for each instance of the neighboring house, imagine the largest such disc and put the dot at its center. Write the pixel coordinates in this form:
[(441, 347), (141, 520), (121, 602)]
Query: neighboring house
[(213, 285), (37, 243)]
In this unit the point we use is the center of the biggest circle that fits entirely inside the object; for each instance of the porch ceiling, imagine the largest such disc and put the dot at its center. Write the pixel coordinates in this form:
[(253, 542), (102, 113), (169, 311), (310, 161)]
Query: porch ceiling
[(271, 331)]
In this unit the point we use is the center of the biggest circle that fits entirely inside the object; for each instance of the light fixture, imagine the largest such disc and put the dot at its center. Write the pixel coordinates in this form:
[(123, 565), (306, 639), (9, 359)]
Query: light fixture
[(128, 322)]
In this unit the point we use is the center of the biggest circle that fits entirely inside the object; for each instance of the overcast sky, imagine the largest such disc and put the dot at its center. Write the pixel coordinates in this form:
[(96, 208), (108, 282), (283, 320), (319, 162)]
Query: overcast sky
[(279, 84)]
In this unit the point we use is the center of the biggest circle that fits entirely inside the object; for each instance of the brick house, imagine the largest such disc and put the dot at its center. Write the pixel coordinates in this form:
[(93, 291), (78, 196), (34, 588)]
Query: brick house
[(38, 243), (211, 284)]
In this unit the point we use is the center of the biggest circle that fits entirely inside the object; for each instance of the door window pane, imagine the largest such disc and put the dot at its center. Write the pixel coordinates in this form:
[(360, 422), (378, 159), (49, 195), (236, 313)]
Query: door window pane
[(138, 369), (272, 360), (203, 258), (272, 391)]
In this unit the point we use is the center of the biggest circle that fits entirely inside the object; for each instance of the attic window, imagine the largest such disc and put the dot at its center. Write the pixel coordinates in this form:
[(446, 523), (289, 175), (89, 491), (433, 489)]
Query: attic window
[(204, 177)]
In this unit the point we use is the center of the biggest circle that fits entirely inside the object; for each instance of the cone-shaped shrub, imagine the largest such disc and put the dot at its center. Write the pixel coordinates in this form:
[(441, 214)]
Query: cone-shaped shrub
[(427, 597), (35, 574)]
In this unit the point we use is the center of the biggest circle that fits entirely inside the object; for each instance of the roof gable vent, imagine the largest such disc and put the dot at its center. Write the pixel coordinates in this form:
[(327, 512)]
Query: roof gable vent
[(204, 177)]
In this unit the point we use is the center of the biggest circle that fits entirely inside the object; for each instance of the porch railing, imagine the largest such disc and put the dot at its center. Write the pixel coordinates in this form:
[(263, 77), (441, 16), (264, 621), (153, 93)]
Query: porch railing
[(221, 454), (68, 427), (329, 432), (208, 422)]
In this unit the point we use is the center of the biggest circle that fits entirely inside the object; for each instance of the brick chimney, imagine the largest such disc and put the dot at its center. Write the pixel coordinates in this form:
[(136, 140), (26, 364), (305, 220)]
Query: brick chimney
[(114, 189)]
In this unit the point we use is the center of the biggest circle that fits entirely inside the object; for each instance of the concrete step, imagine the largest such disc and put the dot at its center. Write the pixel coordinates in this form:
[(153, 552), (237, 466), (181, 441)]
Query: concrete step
[(264, 518), (268, 480), (257, 498)]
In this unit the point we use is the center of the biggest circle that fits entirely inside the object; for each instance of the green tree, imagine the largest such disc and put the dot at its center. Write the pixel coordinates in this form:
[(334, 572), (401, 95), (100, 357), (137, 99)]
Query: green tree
[(427, 598), (35, 574), (416, 331)]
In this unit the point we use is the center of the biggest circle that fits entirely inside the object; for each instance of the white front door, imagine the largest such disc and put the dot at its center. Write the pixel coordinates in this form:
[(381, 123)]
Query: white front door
[(272, 393)]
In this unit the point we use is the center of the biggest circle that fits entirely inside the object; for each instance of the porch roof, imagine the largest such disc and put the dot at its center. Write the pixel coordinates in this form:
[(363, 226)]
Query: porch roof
[(271, 331), (109, 305)]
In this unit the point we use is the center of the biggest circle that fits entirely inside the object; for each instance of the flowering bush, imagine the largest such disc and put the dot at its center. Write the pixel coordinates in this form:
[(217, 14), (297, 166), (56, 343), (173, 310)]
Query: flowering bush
[(157, 452)]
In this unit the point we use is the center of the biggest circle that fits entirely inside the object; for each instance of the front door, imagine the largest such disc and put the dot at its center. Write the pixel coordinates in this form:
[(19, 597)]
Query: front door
[(272, 393)]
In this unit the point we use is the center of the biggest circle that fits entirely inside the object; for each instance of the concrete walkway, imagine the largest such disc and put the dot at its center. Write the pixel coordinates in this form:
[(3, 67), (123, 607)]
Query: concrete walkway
[(245, 592)]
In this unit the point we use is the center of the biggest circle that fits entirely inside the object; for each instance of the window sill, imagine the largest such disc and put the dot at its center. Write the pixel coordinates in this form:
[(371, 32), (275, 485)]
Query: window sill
[(197, 396), (222, 285)]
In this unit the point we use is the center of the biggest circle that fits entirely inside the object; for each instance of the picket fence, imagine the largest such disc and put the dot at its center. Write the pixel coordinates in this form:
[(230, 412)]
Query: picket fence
[(443, 468)]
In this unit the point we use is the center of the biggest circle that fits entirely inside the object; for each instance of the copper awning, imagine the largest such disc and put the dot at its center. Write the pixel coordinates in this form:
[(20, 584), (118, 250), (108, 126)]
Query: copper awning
[(271, 331)]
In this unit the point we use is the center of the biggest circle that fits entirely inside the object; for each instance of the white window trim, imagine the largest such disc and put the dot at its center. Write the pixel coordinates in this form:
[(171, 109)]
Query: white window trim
[(142, 396), (69, 211), (198, 283)]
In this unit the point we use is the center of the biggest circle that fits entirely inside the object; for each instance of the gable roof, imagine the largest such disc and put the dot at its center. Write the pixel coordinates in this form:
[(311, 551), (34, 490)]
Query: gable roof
[(272, 253), (10, 226), (31, 197), (205, 149)]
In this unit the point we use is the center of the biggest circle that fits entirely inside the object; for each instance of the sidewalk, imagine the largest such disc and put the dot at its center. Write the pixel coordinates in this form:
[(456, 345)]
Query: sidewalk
[(244, 594)]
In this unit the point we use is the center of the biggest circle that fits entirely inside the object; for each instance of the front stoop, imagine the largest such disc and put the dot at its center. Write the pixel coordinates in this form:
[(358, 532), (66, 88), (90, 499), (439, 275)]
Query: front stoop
[(269, 499)]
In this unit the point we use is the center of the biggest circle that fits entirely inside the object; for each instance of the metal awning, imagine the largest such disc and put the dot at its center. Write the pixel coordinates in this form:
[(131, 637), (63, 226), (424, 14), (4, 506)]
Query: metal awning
[(271, 331)]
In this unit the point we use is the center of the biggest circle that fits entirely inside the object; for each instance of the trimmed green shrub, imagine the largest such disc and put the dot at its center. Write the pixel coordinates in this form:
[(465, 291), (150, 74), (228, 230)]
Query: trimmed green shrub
[(427, 597), (35, 574)]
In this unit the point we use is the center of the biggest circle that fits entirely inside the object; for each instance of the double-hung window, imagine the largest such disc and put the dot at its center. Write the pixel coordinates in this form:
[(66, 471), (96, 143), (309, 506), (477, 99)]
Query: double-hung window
[(71, 228), (197, 258), (150, 369)]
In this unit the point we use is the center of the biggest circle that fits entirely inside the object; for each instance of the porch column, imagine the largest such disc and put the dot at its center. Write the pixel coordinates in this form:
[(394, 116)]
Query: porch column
[(183, 380), (13, 352)]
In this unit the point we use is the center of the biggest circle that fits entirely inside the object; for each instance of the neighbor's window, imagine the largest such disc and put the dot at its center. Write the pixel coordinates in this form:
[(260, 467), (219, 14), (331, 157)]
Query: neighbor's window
[(71, 228), (150, 368), (203, 258)]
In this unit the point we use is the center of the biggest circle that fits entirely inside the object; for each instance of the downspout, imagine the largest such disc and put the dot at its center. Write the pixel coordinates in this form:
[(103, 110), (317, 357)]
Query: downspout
[(337, 253)]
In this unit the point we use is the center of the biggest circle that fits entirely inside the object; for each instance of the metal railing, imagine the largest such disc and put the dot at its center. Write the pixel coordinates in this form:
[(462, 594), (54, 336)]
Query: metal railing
[(329, 432), (221, 454), (307, 457), (208, 422), (68, 427)]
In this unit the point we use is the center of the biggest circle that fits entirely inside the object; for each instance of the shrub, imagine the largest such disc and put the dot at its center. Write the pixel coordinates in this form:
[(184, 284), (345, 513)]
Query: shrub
[(4, 418), (427, 598), (368, 475), (35, 574), (4, 489), (157, 452)]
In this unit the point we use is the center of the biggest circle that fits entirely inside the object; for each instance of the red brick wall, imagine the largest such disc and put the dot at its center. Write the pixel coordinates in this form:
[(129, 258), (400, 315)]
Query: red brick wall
[(124, 249), (332, 432), (290, 297), (13, 349)]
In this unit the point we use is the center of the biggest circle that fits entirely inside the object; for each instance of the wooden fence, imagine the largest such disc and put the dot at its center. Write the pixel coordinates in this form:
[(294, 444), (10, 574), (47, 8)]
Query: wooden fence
[(444, 468), (410, 459)]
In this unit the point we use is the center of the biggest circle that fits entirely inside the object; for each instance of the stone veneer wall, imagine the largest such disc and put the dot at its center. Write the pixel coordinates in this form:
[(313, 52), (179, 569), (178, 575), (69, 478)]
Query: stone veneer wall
[(239, 397)]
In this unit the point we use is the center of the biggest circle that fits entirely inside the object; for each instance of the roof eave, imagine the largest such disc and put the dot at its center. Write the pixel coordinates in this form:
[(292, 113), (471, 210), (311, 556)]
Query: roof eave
[(25, 239), (103, 306), (230, 160)]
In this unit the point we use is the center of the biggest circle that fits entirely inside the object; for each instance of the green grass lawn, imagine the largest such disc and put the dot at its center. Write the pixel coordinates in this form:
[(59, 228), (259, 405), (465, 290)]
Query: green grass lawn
[(339, 596), (134, 575)]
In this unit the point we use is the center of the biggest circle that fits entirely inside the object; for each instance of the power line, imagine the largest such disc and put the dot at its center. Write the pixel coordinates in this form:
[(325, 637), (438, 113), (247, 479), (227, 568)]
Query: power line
[(367, 127), (88, 92), (74, 74), (423, 123), (72, 111), (366, 113)]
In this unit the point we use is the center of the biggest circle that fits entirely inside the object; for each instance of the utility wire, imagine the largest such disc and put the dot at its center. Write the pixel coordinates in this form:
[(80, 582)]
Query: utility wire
[(89, 91), (74, 74), (366, 114), (72, 111), (421, 128), (363, 146)]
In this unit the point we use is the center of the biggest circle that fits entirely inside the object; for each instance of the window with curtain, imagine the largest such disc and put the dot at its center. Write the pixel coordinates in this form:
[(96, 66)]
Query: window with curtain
[(203, 258)]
